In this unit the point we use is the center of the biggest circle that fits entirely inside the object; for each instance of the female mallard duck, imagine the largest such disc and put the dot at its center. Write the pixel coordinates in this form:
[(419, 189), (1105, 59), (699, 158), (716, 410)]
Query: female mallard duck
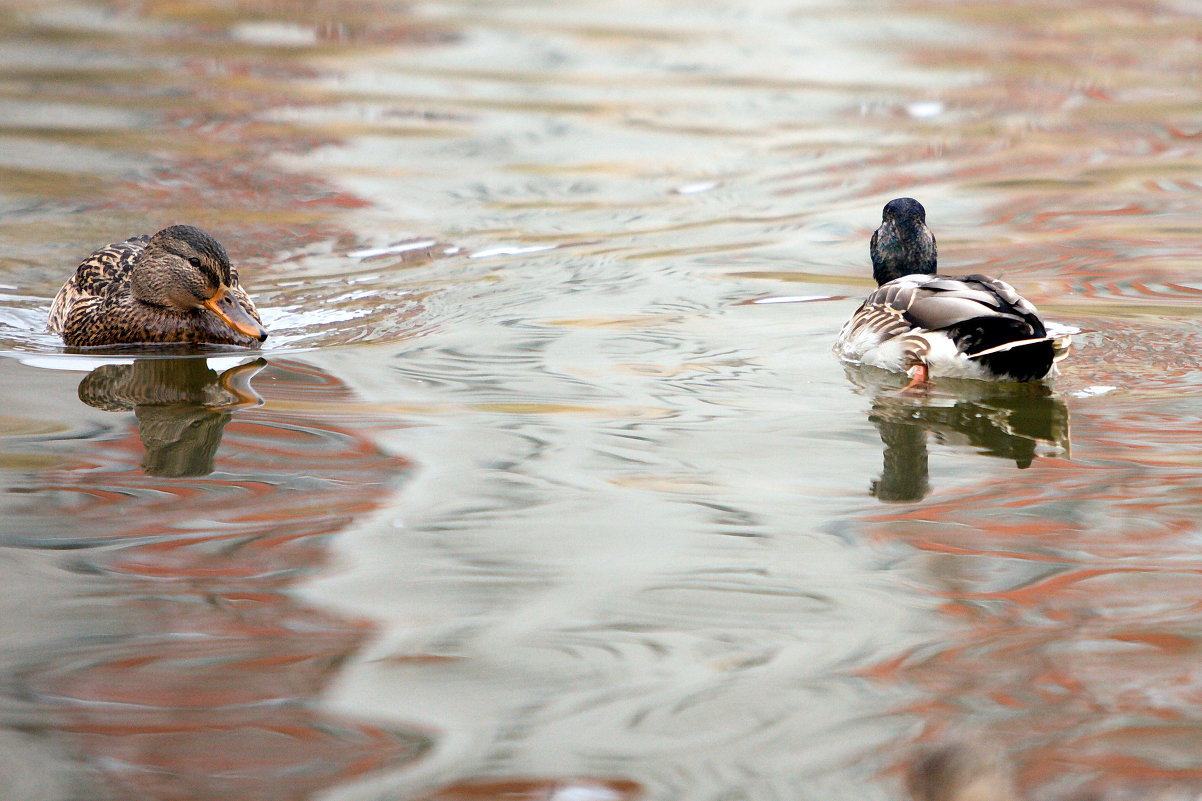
[(928, 325), (175, 286)]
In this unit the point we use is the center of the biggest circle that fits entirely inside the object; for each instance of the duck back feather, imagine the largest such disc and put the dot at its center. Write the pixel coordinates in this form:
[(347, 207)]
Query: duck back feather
[(994, 330)]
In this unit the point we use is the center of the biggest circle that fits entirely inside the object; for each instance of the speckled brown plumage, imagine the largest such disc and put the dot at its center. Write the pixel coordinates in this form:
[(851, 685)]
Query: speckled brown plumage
[(96, 306)]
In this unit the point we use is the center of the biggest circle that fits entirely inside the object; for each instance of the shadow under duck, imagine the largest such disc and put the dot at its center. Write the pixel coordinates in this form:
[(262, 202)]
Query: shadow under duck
[(175, 286), (924, 324)]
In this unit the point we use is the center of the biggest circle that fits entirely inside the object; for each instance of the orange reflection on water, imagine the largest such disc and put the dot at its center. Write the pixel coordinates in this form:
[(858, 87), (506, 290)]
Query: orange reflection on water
[(539, 790), (214, 692), (1073, 600)]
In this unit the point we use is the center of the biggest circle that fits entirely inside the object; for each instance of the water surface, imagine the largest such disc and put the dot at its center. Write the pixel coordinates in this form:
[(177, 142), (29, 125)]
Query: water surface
[(547, 483)]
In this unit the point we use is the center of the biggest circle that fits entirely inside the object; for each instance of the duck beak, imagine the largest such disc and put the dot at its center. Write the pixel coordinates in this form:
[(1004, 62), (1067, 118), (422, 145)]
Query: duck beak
[(228, 309)]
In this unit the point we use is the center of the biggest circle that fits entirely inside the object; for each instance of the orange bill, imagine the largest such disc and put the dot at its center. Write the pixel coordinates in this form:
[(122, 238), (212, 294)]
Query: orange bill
[(225, 306)]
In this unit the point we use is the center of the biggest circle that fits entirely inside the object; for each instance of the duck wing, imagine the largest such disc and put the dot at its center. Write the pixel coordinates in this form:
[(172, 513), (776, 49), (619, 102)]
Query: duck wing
[(109, 267), (942, 303), (983, 319), (939, 303), (97, 278)]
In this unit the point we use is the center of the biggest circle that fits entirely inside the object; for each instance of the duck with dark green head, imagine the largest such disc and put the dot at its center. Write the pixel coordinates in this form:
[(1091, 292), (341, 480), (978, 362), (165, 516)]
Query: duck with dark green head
[(175, 286), (930, 325)]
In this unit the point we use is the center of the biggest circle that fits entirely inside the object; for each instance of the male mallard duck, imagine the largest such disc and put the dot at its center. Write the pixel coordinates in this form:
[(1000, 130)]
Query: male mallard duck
[(175, 286), (929, 325)]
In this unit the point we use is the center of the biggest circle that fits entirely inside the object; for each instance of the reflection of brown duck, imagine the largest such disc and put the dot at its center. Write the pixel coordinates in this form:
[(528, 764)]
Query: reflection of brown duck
[(1009, 421), (176, 286), (182, 406), (200, 673), (961, 773)]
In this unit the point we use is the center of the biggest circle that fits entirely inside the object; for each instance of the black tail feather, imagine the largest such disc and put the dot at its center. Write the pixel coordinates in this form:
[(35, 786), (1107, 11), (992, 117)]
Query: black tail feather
[(1029, 357), (1025, 362)]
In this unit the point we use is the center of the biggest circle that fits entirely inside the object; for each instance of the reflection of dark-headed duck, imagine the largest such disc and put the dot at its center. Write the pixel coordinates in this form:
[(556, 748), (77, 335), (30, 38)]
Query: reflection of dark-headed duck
[(928, 325), (977, 772), (176, 286)]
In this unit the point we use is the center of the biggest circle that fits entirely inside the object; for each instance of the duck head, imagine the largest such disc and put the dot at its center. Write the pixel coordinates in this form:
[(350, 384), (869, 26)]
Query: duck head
[(186, 270), (903, 245)]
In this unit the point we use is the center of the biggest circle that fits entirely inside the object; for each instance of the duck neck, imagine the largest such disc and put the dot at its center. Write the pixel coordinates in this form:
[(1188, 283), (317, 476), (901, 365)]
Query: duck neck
[(144, 287), (903, 248)]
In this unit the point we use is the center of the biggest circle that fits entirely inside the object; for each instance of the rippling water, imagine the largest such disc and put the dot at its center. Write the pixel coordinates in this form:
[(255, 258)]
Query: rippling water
[(547, 484)]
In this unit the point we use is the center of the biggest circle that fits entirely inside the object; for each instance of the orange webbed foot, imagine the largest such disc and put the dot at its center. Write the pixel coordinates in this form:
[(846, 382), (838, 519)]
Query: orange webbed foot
[(919, 380)]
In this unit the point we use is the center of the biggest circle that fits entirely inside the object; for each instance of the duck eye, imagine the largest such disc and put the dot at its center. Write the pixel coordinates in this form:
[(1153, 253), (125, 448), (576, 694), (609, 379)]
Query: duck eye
[(195, 262)]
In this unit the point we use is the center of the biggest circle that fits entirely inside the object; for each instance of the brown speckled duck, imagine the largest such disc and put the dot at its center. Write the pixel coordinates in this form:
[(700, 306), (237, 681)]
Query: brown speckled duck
[(175, 286)]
